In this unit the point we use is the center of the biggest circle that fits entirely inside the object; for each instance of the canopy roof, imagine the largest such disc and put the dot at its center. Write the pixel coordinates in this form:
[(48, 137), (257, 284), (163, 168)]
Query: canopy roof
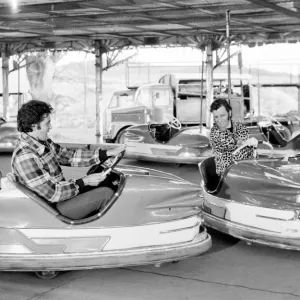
[(76, 24)]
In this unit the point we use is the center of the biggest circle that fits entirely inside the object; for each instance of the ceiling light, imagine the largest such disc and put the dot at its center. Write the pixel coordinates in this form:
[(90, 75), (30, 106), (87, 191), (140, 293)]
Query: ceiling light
[(14, 5)]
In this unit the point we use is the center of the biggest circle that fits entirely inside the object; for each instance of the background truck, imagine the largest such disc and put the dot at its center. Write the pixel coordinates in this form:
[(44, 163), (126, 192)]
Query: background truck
[(251, 102), (135, 106), (184, 97)]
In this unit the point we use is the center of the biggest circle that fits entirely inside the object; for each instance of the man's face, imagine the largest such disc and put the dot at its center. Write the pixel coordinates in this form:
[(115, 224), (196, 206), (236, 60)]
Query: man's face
[(221, 117), (41, 130)]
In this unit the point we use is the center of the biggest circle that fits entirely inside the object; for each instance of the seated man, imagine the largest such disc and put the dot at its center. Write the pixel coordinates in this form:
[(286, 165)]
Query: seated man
[(226, 136), (36, 161)]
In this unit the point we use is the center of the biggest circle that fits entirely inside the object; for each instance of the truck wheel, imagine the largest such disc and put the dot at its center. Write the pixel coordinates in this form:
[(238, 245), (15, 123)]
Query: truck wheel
[(120, 137), (175, 165), (46, 274)]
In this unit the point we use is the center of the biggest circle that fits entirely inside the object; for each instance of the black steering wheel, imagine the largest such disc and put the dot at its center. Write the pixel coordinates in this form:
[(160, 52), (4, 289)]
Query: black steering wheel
[(106, 169), (272, 124), (173, 122)]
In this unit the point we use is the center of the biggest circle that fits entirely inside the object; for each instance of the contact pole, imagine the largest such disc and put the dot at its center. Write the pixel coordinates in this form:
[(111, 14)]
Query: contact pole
[(201, 104), (228, 53)]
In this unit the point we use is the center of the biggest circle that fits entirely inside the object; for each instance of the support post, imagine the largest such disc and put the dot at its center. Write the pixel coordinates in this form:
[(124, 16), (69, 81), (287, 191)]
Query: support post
[(201, 97), (209, 83), (5, 72), (228, 53), (19, 88), (258, 89), (99, 67), (240, 63), (298, 90), (85, 90)]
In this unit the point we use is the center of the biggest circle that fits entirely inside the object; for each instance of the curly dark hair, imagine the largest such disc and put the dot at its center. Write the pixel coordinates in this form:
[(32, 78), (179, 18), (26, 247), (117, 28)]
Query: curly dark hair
[(220, 102), (32, 112)]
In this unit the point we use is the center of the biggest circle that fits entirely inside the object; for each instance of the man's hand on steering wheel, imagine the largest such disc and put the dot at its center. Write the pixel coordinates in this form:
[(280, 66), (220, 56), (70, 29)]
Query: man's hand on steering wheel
[(94, 179), (251, 142), (103, 168)]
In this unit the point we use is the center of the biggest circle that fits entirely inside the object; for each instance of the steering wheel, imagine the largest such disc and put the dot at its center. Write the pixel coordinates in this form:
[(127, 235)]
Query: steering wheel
[(174, 122), (255, 149), (99, 167), (274, 123)]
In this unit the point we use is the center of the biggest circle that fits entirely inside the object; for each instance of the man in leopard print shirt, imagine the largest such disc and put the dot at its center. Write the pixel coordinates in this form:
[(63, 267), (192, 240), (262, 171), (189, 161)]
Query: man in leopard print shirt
[(226, 136)]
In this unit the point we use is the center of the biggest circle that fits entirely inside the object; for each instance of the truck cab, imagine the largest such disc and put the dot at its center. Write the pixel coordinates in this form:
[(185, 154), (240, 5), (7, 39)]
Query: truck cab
[(135, 106), (189, 92)]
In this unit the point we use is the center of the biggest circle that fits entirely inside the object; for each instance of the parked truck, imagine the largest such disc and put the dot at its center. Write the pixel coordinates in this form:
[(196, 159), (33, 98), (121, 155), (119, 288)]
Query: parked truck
[(184, 97), (178, 95), (135, 106)]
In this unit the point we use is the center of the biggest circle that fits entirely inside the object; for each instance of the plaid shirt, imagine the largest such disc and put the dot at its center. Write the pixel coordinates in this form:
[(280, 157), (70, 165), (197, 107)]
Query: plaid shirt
[(38, 167)]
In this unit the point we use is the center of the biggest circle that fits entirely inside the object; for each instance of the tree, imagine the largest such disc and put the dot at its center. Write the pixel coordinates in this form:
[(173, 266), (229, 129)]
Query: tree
[(40, 69)]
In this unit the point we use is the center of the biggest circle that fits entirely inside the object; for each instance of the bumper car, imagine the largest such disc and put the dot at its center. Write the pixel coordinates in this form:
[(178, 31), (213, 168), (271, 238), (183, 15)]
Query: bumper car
[(167, 142), (151, 217), (254, 200), (9, 135), (270, 130)]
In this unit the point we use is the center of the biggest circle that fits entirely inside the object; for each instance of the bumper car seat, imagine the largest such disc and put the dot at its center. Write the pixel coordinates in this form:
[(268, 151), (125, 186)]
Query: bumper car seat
[(276, 138), (211, 179), (79, 207)]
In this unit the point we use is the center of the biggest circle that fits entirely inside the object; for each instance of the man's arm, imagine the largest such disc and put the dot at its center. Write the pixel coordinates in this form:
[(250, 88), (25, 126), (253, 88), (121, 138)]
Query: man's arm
[(79, 157), (242, 132), (245, 141), (30, 169)]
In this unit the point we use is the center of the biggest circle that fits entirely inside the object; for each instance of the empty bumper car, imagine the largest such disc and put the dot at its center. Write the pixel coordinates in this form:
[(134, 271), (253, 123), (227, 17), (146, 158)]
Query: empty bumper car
[(168, 142), (9, 135)]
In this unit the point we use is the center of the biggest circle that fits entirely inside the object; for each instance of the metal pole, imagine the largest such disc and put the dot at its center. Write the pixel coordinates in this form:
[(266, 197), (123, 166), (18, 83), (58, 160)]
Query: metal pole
[(19, 92), (98, 65), (240, 62), (201, 103), (5, 71), (127, 74), (209, 83), (85, 90), (258, 90), (228, 53), (298, 90)]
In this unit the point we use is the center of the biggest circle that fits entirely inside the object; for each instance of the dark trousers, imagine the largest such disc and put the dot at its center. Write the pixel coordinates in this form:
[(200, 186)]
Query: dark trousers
[(85, 204)]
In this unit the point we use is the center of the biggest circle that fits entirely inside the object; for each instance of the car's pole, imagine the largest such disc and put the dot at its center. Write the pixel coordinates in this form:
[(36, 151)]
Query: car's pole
[(201, 102), (228, 53)]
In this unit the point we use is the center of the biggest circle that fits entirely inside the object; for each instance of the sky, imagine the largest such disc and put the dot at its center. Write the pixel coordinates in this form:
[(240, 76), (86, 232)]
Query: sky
[(267, 54), (281, 57)]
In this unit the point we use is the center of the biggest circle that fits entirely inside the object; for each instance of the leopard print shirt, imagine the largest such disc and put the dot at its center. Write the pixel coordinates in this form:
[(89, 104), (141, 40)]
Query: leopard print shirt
[(224, 143)]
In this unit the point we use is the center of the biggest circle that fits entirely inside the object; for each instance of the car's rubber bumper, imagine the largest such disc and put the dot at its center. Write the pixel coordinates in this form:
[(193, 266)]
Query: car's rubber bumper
[(251, 234), (107, 259)]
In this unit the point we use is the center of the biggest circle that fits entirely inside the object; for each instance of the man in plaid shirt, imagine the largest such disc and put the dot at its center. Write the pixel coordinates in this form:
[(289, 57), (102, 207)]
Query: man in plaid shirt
[(37, 159)]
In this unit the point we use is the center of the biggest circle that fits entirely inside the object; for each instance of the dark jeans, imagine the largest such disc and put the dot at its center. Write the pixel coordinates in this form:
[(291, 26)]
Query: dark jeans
[(84, 204)]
